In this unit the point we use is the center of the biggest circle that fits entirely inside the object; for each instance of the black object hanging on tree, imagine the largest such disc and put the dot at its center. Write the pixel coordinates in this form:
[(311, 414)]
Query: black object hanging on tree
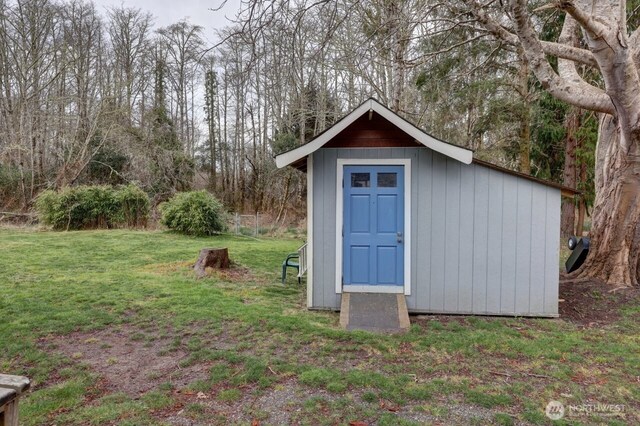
[(579, 251)]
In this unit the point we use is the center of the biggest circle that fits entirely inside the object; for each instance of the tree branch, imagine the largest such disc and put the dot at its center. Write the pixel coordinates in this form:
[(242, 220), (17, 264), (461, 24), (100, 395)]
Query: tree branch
[(586, 20), (567, 69), (571, 53), (559, 50), (634, 43), (581, 95)]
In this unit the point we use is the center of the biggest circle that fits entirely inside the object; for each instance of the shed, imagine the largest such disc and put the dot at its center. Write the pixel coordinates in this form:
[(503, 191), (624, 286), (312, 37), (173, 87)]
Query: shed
[(391, 209)]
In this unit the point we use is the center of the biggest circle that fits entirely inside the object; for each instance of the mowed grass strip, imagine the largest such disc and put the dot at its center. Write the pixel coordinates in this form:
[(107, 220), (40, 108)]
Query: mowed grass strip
[(244, 347)]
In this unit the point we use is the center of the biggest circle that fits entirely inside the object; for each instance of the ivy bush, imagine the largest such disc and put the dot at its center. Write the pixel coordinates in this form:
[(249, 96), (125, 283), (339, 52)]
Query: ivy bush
[(194, 213), (90, 207)]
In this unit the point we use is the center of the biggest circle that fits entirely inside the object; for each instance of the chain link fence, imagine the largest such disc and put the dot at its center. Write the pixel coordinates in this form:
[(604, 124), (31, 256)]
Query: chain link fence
[(247, 224)]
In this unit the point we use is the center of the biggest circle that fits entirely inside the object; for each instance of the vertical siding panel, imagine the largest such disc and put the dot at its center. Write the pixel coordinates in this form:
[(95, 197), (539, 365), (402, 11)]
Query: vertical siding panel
[(416, 166), (438, 225), (465, 256), (482, 241), (480, 220), (494, 241), (538, 254), (372, 153), (552, 246), (423, 238), (319, 233), (452, 236), (509, 243), (415, 200), (523, 247)]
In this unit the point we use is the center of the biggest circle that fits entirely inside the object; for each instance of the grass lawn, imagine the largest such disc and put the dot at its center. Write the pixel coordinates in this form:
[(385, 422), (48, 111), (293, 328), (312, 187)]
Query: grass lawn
[(112, 328)]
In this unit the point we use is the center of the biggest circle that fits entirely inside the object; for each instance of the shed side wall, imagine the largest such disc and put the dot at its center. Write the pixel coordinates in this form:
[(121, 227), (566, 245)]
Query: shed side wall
[(483, 241)]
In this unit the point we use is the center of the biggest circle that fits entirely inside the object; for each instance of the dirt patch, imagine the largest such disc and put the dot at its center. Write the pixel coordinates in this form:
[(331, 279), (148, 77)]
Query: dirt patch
[(167, 268), (443, 319), (285, 403), (128, 360), (235, 273), (585, 302), (591, 302), (279, 405)]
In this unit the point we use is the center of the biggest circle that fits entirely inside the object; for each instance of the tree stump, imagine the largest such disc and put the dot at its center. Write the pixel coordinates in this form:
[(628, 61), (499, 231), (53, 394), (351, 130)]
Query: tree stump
[(217, 258)]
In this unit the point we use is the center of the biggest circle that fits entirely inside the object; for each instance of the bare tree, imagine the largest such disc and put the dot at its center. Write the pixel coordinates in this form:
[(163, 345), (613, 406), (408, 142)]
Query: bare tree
[(183, 45), (129, 30)]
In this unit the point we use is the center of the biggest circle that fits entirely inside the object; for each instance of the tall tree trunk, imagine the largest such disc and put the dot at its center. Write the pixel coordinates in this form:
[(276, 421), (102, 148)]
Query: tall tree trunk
[(582, 212), (582, 202), (524, 155), (572, 123), (524, 132), (285, 196)]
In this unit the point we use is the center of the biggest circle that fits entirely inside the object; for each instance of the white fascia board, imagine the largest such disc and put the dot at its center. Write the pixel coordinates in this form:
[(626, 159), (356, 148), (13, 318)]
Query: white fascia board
[(458, 153), (287, 158)]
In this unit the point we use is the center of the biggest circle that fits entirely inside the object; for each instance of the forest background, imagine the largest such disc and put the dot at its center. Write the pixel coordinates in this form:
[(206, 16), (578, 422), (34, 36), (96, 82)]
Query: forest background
[(103, 96)]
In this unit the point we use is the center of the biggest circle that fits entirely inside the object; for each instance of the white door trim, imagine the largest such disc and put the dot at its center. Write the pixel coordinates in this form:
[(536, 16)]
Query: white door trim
[(340, 163)]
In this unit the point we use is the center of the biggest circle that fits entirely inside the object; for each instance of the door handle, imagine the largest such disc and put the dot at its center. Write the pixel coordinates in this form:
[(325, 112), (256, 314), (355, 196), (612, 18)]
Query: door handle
[(399, 237)]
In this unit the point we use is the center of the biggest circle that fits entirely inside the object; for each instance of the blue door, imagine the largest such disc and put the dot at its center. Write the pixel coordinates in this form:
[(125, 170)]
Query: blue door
[(373, 226)]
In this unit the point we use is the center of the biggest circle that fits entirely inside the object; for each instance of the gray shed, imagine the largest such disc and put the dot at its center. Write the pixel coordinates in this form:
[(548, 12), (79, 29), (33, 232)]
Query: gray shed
[(391, 209)]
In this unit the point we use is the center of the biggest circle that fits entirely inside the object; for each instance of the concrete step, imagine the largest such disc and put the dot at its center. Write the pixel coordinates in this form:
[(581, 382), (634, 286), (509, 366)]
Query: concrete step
[(377, 312)]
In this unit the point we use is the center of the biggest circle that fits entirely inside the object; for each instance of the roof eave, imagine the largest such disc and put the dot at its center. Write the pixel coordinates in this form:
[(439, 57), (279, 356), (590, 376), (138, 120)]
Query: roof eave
[(458, 153)]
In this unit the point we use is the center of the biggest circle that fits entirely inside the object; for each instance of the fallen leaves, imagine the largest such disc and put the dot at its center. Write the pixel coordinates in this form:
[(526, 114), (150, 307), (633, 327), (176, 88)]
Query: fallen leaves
[(385, 405)]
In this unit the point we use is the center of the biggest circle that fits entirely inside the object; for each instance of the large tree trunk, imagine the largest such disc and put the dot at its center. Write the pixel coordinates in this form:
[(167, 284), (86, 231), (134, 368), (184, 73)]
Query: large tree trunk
[(615, 237)]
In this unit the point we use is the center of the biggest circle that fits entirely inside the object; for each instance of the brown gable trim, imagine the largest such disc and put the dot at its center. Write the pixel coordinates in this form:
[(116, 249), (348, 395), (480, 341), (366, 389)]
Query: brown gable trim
[(370, 106), (372, 131), (300, 164)]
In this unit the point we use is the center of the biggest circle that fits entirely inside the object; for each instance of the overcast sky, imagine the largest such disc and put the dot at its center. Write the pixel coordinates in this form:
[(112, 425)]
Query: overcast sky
[(168, 12)]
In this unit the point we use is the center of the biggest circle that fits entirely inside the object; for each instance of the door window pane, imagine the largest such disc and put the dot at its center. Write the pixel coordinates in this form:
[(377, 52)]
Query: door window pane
[(360, 180), (387, 180)]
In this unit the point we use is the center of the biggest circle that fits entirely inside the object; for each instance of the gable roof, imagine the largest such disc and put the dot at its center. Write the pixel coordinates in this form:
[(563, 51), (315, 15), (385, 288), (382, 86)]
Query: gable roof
[(295, 157), (461, 154)]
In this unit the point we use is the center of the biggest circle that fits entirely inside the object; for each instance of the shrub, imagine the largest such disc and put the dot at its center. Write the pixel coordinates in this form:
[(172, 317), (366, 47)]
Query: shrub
[(194, 213), (86, 207), (134, 205), (48, 208)]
